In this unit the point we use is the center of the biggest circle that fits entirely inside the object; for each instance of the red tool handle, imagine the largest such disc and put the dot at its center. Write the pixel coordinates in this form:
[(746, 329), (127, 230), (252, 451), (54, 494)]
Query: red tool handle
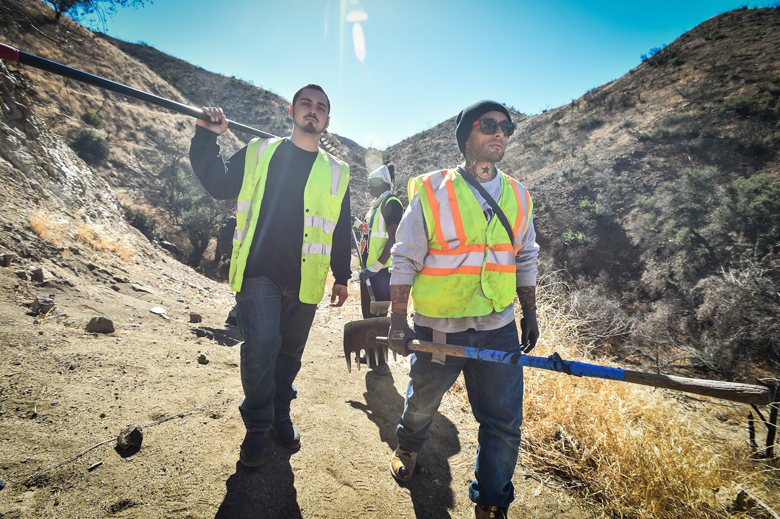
[(9, 53)]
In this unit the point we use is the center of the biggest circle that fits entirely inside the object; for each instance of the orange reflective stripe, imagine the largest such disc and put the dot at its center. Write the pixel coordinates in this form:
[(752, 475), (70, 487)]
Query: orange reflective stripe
[(528, 204), (511, 269), (520, 210), (430, 271), (455, 209), (459, 250), (502, 247), (435, 210)]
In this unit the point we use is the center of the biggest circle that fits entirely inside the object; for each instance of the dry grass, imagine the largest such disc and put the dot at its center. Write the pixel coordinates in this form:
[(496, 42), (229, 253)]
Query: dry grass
[(636, 451), (98, 237), (47, 226)]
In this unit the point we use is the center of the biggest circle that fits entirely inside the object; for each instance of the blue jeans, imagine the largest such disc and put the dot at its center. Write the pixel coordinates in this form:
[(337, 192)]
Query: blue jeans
[(496, 396), (275, 325)]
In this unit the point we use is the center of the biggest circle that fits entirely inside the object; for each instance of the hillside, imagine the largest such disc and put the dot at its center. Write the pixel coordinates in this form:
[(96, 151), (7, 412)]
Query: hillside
[(591, 448), (642, 191), (142, 139)]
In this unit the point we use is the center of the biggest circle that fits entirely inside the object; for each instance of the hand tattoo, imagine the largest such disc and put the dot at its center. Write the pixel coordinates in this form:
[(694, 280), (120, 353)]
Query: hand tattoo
[(399, 294)]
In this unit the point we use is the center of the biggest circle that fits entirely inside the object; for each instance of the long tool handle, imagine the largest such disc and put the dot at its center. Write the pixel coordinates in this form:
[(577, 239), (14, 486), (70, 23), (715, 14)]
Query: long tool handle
[(9, 53), (745, 393), (360, 264)]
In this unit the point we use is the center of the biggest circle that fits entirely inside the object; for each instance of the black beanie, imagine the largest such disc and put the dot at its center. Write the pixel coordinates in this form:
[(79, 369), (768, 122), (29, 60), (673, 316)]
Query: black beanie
[(471, 114)]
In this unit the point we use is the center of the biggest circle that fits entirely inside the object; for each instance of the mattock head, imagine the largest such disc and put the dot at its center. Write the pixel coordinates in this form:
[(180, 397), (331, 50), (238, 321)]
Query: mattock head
[(360, 336)]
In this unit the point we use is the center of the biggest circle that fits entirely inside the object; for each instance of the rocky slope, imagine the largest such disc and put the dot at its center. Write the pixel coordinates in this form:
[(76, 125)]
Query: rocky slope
[(613, 176)]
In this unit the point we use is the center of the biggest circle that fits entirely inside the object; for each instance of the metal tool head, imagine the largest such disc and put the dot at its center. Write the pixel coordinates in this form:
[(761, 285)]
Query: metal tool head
[(361, 336), (379, 307)]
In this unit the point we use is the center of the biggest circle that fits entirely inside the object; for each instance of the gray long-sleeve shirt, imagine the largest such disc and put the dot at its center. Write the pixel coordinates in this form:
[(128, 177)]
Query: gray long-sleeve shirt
[(411, 247)]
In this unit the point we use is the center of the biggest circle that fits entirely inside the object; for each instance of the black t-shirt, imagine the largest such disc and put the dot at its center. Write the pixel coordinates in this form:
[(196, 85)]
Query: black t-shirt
[(392, 212), (278, 239)]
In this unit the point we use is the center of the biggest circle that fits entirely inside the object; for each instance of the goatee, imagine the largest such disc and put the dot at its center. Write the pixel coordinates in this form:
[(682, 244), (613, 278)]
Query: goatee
[(309, 128)]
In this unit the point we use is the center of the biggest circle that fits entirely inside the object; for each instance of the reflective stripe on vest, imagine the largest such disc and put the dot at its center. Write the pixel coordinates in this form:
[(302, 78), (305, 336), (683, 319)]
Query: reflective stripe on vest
[(378, 234), (470, 267), (323, 194)]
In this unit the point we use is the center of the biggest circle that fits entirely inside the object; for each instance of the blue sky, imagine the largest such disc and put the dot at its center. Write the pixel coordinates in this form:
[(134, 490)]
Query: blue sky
[(424, 60)]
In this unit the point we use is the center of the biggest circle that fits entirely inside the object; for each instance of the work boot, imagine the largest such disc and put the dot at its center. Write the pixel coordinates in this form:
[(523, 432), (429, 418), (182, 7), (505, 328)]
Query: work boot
[(402, 464), (489, 512), (253, 449), (287, 434)]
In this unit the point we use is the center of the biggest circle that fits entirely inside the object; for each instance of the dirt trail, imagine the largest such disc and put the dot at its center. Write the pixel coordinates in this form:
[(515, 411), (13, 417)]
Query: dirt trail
[(63, 390)]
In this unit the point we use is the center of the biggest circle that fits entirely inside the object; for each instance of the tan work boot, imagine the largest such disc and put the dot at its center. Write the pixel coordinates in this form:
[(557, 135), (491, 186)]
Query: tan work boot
[(402, 464), (489, 512)]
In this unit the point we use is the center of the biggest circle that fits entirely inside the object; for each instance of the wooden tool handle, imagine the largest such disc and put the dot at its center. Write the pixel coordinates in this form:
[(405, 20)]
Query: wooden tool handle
[(734, 391)]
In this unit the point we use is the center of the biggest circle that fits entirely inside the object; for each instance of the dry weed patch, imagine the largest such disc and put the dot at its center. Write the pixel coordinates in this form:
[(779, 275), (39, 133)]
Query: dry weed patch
[(46, 225), (98, 237), (637, 451)]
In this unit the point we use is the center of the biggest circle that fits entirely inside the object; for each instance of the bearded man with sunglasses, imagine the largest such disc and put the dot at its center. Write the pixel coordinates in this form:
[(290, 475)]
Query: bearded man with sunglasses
[(465, 246)]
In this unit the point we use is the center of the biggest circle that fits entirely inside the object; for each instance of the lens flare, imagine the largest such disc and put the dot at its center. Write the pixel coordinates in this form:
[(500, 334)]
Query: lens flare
[(359, 40), (357, 16)]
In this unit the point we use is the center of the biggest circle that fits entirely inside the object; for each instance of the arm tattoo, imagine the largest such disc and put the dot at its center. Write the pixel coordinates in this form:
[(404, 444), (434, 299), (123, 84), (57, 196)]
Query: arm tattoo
[(527, 297), (399, 294)]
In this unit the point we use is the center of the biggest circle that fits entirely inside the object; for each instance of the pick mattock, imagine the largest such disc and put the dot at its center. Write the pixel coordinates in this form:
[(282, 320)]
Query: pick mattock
[(9, 53), (745, 393), (361, 336)]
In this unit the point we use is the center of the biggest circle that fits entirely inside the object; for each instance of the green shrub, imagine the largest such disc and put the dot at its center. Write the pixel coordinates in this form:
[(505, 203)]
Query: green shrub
[(92, 119), (572, 238), (591, 208), (591, 123), (90, 145), (141, 221)]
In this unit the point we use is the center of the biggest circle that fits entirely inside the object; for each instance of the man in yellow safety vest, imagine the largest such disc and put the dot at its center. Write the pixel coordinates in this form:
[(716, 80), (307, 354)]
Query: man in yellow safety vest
[(292, 224), (465, 246), (382, 220)]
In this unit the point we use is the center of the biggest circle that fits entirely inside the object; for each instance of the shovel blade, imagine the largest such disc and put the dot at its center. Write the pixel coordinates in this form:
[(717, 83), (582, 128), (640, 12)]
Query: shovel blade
[(379, 307), (361, 336)]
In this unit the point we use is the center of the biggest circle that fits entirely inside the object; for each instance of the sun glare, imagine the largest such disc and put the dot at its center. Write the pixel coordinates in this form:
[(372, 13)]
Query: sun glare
[(357, 16), (359, 40)]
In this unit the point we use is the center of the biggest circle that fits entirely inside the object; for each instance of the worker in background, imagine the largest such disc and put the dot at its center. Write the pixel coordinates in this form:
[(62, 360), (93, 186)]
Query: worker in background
[(292, 223), (465, 246), (382, 220)]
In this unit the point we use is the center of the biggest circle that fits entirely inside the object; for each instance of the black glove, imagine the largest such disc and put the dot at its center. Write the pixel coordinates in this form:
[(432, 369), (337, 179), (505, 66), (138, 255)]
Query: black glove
[(400, 334), (530, 331), (367, 273)]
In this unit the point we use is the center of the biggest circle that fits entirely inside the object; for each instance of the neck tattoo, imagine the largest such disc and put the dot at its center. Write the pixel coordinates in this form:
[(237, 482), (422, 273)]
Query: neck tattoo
[(482, 171)]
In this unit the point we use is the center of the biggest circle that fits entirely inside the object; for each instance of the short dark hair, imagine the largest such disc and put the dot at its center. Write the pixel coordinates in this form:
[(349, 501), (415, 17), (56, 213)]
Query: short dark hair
[(313, 86)]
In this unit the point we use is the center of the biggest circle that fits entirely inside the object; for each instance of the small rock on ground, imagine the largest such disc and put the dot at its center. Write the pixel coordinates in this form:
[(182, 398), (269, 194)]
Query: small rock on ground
[(100, 325)]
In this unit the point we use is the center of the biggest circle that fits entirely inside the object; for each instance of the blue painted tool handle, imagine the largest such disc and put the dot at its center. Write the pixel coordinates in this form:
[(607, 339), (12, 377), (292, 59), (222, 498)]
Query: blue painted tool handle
[(745, 393)]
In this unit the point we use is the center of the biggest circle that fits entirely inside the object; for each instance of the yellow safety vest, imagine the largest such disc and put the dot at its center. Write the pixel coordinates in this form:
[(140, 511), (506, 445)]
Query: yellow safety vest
[(322, 199), (470, 267), (378, 235)]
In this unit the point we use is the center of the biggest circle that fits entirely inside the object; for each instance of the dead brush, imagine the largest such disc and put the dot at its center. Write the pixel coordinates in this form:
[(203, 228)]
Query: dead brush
[(98, 237), (47, 226), (636, 451)]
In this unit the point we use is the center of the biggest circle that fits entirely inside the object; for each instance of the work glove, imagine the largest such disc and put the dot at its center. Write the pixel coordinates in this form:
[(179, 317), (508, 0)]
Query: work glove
[(400, 334), (371, 271), (530, 331)]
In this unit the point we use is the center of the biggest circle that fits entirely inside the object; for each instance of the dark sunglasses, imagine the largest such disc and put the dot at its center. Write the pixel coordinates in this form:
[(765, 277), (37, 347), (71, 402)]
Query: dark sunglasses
[(489, 127)]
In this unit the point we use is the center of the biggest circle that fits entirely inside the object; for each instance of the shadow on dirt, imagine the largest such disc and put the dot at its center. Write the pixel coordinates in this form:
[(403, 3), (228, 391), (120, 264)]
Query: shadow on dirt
[(267, 491), (430, 488), (224, 337)]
